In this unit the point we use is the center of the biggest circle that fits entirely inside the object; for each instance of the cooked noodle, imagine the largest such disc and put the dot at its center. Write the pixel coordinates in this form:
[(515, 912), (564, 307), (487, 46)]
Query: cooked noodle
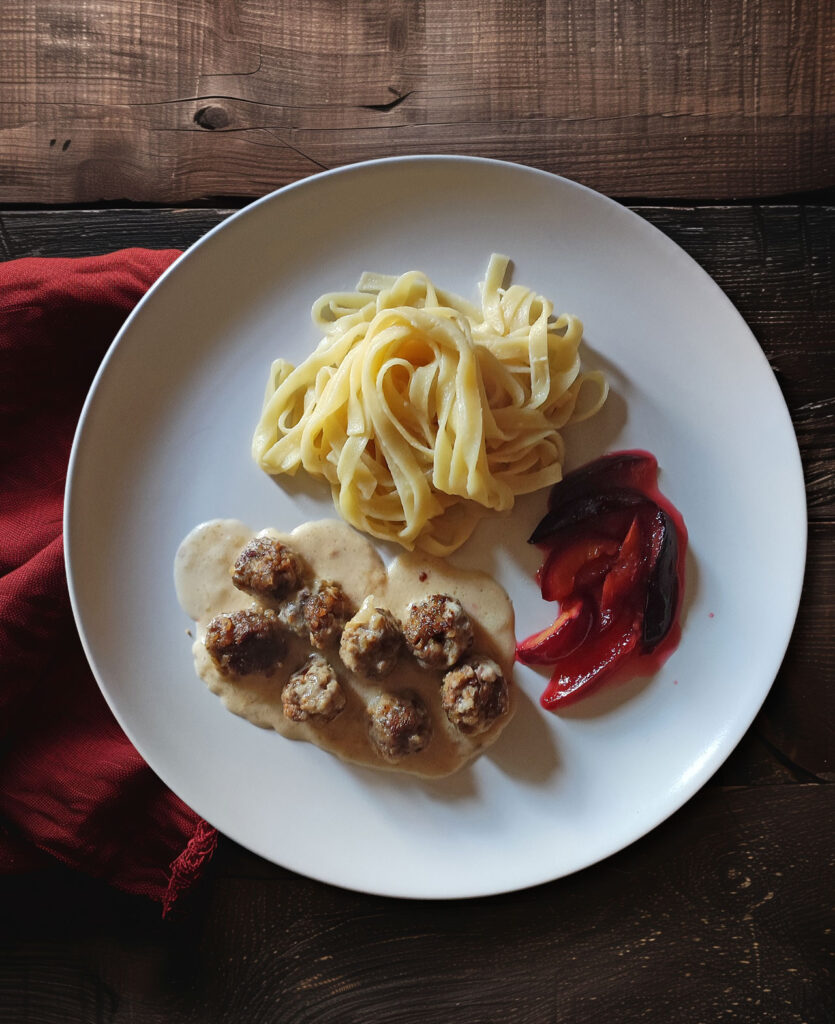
[(422, 410)]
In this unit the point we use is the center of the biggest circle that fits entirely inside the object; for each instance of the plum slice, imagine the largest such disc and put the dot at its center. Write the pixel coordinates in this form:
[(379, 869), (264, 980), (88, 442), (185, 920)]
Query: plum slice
[(615, 563), (617, 505), (635, 470), (564, 635)]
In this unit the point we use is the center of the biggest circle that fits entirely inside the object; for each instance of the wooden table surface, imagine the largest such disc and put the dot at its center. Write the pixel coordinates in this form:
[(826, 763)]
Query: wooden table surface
[(713, 121)]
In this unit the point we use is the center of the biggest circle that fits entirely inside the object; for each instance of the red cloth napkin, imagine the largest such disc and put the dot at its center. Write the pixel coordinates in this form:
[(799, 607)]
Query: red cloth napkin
[(71, 784)]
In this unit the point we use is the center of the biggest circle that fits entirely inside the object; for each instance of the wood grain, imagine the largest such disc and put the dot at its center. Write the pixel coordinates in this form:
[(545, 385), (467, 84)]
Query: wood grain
[(161, 102), (721, 914)]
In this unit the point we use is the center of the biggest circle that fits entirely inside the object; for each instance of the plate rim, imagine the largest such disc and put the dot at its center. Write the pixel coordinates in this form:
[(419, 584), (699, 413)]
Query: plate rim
[(717, 756)]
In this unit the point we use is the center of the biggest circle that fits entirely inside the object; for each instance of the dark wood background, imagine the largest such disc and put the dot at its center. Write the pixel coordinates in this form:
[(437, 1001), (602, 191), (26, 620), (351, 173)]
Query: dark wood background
[(165, 102), (716, 119)]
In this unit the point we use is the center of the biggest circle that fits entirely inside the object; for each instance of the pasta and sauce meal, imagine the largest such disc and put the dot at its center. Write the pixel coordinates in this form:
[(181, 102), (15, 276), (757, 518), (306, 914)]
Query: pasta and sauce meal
[(425, 412)]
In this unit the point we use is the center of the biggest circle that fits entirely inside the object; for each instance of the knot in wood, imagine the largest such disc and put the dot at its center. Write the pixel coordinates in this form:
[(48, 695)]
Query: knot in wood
[(211, 118)]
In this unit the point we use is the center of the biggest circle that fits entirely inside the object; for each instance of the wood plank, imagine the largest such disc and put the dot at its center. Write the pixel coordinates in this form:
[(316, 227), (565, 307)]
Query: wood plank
[(723, 913), (170, 102), (776, 264), (798, 719)]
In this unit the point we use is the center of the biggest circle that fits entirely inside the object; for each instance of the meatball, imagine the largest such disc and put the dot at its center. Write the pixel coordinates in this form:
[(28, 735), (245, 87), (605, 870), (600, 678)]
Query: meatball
[(313, 692), (245, 642), (291, 613), (474, 695), (399, 725), (266, 568), (438, 631), (326, 611), (371, 642)]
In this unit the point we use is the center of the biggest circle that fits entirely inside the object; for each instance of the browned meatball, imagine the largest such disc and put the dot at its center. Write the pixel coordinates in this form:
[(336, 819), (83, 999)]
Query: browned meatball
[(245, 642), (438, 631), (326, 611), (291, 613), (474, 694), (313, 692), (371, 642), (266, 568), (399, 725)]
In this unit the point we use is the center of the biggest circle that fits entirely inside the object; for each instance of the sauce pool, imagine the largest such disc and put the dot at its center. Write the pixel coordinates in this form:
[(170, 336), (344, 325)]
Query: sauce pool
[(335, 551)]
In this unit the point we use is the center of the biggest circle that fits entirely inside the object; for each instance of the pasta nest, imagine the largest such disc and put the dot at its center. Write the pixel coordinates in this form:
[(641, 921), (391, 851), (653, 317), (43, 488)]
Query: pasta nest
[(424, 411)]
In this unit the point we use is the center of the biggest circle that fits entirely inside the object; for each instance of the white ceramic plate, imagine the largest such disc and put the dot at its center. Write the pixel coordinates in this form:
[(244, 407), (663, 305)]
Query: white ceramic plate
[(163, 444)]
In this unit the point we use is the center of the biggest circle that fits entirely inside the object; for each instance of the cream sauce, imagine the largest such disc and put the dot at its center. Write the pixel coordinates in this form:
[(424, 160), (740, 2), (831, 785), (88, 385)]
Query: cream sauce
[(333, 550)]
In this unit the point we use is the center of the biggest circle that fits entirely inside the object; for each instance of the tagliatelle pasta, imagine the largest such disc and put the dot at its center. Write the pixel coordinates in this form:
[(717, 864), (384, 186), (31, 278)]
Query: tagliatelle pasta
[(424, 411)]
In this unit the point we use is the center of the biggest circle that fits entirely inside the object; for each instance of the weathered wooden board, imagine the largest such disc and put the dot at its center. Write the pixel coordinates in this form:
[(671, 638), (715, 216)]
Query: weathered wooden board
[(166, 102), (722, 914)]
